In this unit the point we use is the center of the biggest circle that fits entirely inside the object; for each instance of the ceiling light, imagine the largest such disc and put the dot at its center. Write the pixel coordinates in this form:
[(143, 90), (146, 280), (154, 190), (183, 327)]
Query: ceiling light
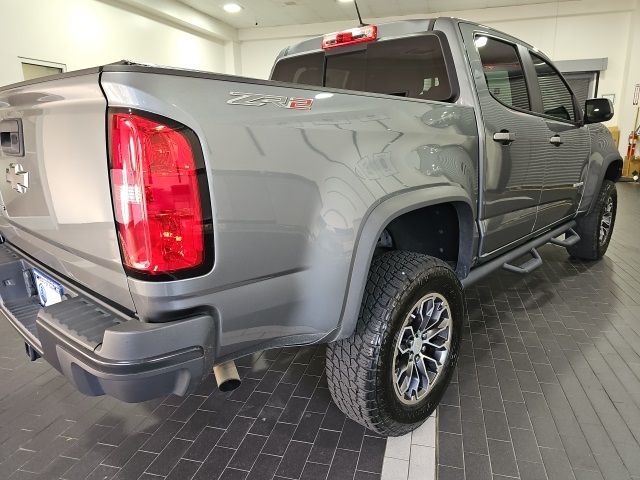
[(231, 7), (345, 1), (480, 41)]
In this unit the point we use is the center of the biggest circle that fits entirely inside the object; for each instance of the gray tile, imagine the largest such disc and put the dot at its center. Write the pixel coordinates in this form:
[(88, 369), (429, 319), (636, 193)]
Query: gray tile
[(487, 376), (450, 473), (528, 381), (556, 464), (294, 459), (343, 465), (279, 439), (471, 409), (536, 405), (474, 438), (579, 453), (450, 450), (517, 415), (477, 466), (503, 461), (525, 445), (324, 446), (449, 419), (491, 398), (612, 467), (587, 474), (531, 471), (352, 436), (630, 455), (318, 471), (496, 425), (247, 452), (372, 454)]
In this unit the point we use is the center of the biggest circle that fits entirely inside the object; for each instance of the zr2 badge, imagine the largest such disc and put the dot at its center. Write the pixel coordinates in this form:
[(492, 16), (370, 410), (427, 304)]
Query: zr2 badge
[(257, 100)]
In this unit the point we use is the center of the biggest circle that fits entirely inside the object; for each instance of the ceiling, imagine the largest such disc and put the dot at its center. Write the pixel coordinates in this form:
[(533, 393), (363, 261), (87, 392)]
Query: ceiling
[(271, 13)]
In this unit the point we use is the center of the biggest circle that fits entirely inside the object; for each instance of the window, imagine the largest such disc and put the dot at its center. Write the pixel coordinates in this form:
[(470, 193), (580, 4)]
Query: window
[(557, 99), (582, 84), (503, 72), (37, 68), (408, 67), (305, 69)]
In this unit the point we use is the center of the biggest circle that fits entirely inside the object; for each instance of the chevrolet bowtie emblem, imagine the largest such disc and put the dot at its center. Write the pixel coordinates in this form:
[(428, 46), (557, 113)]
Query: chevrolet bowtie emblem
[(17, 177)]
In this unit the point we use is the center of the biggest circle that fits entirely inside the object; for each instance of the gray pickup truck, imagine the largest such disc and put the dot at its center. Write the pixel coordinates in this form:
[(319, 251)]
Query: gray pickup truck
[(157, 223)]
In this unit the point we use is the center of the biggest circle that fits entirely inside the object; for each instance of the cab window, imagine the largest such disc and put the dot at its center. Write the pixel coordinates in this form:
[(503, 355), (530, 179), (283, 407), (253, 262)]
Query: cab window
[(503, 72), (557, 99), (413, 67)]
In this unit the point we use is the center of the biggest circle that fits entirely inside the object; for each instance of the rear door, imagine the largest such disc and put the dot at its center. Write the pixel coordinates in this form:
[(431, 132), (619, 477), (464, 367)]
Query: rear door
[(567, 147), (513, 168)]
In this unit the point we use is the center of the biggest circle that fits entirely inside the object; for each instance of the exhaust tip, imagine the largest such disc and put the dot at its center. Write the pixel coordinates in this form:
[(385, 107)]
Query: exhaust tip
[(229, 385), (227, 376)]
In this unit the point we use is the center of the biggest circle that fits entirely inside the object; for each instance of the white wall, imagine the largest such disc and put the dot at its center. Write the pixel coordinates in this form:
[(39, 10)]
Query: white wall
[(564, 31), (87, 33)]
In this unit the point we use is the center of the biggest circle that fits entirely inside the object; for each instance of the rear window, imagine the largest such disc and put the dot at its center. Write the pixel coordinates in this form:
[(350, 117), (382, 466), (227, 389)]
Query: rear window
[(408, 67)]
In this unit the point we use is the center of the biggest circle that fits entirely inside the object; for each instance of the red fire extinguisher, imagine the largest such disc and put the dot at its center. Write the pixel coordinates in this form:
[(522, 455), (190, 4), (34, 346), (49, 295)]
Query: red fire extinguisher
[(633, 142)]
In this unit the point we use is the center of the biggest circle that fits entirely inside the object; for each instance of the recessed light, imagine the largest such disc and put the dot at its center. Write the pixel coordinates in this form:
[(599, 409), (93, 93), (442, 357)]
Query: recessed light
[(481, 41), (344, 1), (231, 7)]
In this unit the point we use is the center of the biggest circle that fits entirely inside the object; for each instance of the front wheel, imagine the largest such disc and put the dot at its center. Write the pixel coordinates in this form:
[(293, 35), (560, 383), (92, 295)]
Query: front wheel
[(596, 228), (391, 373)]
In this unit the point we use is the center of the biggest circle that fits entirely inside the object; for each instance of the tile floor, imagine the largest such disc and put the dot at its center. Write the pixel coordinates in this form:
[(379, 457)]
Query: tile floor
[(280, 424), (548, 382)]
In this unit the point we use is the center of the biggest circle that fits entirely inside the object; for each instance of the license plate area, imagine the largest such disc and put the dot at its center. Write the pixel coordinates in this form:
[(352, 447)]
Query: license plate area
[(48, 290)]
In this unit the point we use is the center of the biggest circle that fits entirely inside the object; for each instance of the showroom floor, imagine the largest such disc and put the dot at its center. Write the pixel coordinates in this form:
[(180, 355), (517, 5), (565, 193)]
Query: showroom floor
[(548, 386), (548, 381)]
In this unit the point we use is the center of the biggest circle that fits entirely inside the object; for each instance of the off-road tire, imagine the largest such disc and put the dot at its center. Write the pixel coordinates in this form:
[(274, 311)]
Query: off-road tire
[(588, 227), (359, 370)]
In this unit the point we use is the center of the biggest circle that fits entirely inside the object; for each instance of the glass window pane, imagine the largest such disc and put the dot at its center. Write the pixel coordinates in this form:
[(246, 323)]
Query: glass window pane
[(503, 72), (408, 67), (557, 99), (304, 69), (346, 71)]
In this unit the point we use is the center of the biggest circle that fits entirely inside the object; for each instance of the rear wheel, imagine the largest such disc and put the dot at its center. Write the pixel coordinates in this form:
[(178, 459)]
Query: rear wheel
[(390, 375), (596, 228)]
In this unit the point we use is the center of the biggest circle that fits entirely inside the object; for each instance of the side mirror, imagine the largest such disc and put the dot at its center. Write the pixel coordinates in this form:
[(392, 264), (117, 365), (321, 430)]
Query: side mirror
[(598, 110)]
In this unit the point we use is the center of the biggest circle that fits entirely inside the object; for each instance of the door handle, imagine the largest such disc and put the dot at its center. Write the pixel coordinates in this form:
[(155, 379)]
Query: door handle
[(556, 140), (11, 141), (504, 137)]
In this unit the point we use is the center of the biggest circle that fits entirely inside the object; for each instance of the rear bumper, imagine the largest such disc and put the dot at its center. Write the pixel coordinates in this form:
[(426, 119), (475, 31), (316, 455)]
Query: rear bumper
[(134, 362), (102, 352)]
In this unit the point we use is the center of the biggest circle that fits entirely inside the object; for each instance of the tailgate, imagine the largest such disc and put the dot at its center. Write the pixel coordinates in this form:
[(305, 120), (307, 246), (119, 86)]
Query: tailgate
[(56, 199)]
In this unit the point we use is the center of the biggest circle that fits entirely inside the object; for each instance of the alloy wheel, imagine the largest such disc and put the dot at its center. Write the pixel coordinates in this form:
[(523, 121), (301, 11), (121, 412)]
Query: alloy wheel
[(422, 348), (605, 223)]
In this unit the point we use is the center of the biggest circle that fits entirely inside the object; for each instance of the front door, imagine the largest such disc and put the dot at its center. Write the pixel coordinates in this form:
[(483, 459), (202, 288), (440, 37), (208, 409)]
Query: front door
[(514, 160), (568, 146)]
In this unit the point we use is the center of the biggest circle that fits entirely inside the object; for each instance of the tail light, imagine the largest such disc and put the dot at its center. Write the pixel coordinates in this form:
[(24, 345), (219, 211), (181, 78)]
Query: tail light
[(158, 186), (367, 33)]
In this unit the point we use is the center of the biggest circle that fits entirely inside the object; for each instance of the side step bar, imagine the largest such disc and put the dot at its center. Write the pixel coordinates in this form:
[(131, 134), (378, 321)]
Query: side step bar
[(503, 261), (527, 267), (567, 241)]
